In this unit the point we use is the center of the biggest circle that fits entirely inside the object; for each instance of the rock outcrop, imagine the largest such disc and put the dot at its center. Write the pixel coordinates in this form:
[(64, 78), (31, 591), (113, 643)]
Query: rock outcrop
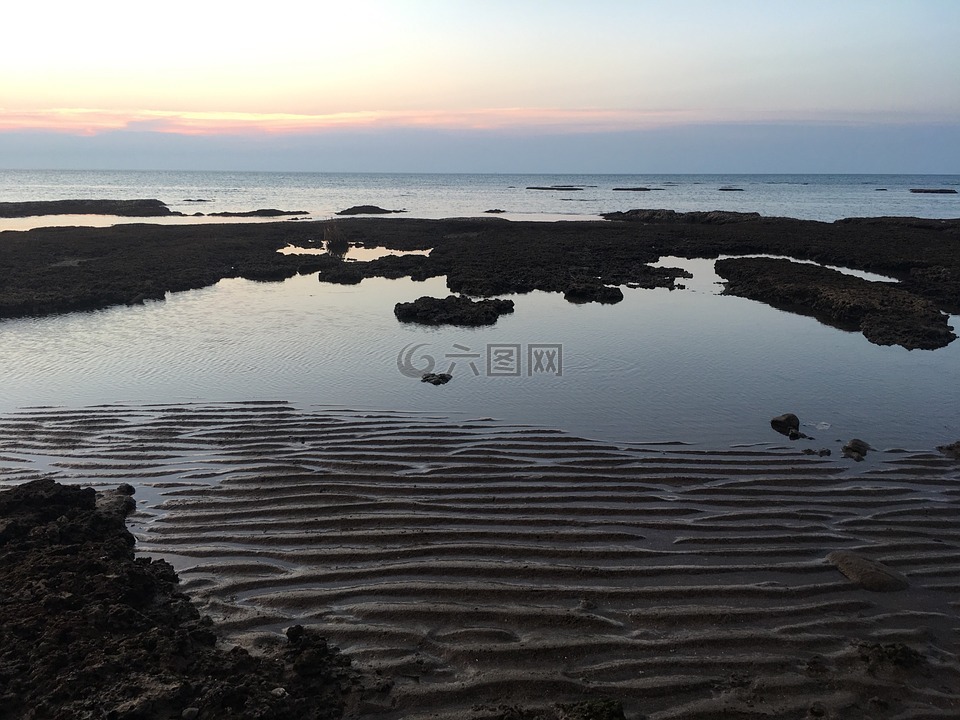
[(452, 310)]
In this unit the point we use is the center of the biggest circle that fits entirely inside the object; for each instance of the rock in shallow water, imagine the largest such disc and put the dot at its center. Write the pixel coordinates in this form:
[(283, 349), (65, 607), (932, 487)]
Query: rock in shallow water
[(436, 378), (783, 424), (856, 449), (452, 310)]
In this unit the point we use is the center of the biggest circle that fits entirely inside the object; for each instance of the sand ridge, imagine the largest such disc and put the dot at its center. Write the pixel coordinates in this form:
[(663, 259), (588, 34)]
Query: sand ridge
[(475, 564)]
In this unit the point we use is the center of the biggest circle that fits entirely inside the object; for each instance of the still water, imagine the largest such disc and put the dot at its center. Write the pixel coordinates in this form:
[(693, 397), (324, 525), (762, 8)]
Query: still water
[(683, 365)]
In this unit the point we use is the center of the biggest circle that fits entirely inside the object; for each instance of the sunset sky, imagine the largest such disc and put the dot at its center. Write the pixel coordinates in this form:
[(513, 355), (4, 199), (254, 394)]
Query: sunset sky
[(492, 86)]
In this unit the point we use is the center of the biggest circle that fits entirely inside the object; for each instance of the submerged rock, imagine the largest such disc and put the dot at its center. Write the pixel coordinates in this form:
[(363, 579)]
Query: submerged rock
[(868, 574)]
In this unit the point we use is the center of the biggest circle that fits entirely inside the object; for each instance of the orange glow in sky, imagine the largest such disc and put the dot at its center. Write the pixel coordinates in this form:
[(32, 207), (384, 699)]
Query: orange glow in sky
[(212, 67), (106, 83)]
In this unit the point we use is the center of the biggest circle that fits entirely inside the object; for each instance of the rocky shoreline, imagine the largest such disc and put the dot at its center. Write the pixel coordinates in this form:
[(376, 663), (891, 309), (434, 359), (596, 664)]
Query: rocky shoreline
[(55, 270), (89, 631)]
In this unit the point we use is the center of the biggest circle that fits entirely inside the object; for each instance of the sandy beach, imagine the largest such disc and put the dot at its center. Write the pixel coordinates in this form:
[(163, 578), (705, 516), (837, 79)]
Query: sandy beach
[(474, 569)]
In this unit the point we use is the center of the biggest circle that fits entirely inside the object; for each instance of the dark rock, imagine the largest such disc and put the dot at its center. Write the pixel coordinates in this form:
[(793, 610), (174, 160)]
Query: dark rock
[(367, 210), (265, 212), (588, 292), (730, 189), (885, 313), (824, 452), (341, 274), (56, 270), (436, 378), (783, 424), (856, 449), (934, 191), (92, 631), (632, 189), (495, 211), (711, 217), (554, 187), (452, 310), (952, 450), (122, 208)]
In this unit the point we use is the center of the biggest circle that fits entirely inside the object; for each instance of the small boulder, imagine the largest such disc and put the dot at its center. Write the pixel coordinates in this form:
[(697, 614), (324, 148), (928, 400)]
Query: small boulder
[(856, 449), (436, 378), (786, 423)]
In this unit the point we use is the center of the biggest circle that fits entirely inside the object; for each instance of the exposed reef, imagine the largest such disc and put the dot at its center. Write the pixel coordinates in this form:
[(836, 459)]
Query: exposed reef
[(122, 208), (52, 270), (66, 269), (885, 313)]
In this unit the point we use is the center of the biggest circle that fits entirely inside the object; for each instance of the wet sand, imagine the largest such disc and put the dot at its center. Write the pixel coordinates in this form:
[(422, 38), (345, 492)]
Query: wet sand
[(470, 566)]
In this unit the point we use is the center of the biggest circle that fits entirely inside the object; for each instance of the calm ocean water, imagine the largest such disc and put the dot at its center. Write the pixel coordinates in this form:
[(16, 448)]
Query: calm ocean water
[(814, 197), (688, 365)]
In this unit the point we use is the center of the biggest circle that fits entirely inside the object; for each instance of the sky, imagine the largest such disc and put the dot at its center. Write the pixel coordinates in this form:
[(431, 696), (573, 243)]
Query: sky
[(483, 86)]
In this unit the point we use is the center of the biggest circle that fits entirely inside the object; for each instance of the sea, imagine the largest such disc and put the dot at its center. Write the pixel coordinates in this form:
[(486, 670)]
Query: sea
[(685, 366)]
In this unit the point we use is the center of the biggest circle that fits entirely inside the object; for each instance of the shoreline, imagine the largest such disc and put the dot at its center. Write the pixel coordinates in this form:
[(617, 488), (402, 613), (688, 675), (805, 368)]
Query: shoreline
[(484, 570)]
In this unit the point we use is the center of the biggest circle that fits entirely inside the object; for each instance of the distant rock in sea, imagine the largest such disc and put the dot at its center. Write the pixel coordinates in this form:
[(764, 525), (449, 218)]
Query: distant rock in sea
[(934, 191), (367, 210), (120, 208), (265, 212), (554, 187)]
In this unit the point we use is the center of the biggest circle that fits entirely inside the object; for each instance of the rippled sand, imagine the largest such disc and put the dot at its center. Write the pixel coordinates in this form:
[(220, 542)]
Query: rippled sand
[(477, 565)]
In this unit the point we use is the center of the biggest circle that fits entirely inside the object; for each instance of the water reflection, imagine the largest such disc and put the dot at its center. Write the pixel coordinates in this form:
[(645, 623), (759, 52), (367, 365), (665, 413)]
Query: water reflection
[(659, 366)]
